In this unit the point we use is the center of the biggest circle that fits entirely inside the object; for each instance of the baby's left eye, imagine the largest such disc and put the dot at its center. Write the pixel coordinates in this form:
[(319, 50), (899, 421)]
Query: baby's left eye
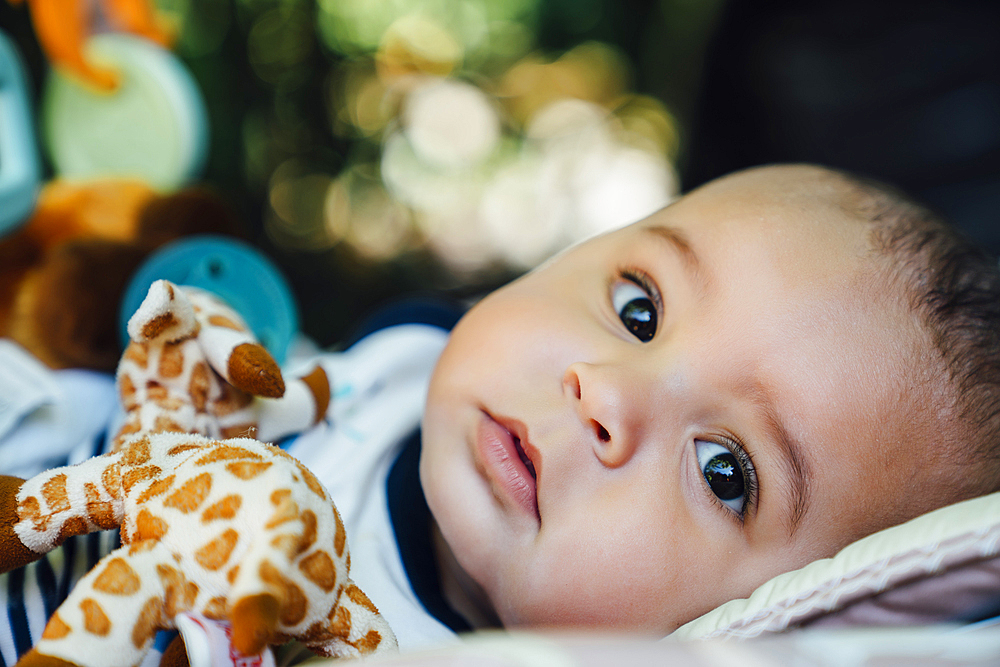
[(724, 474), (635, 309)]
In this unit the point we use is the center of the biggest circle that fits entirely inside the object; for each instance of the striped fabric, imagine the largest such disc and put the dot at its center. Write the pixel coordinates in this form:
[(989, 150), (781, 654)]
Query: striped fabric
[(29, 595)]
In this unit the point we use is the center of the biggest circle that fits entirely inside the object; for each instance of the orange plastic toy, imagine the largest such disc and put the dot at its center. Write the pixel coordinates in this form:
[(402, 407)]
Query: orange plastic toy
[(62, 27)]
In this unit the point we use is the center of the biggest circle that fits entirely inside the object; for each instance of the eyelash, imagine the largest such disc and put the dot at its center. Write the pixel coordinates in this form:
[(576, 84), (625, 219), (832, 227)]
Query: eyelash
[(645, 281), (750, 482)]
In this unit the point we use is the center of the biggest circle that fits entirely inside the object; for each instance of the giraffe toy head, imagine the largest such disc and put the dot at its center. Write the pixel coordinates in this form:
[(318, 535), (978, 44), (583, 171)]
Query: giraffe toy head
[(193, 366)]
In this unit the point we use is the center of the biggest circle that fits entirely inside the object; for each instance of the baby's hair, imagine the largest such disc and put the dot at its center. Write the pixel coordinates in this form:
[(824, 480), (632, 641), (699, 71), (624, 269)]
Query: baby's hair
[(954, 287)]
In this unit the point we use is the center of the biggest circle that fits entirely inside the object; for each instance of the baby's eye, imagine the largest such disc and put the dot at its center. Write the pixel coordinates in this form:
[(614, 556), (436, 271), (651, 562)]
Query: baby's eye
[(635, 308), (724, 474)]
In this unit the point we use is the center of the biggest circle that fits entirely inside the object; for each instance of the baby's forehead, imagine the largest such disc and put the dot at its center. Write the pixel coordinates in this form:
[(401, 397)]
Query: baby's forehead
[(792, 182), (804, 236)]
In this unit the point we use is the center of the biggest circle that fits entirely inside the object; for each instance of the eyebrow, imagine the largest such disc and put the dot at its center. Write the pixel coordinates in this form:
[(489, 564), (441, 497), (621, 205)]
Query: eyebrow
[(796, 469), (678, 240)]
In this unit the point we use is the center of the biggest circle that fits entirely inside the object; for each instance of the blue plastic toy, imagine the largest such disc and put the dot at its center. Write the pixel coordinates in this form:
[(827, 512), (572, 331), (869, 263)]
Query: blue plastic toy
[(236, 272), (20, 170)]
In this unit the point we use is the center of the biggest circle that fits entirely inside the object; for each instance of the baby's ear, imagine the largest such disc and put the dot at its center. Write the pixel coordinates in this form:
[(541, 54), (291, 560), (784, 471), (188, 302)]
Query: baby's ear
[(13, 553)]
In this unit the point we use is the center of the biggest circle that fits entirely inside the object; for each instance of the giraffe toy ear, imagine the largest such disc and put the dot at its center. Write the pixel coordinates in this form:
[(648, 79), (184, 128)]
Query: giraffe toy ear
[(165, 315)]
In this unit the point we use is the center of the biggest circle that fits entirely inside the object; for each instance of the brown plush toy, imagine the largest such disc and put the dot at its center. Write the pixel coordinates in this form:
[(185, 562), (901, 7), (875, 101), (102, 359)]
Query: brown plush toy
[(235, 530), (63, 274)]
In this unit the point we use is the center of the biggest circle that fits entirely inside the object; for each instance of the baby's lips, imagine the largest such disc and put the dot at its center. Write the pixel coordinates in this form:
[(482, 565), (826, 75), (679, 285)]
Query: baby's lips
[(519, 430)]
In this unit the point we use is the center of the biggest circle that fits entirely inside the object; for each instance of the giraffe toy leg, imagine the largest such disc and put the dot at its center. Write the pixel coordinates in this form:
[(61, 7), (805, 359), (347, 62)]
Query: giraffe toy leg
[(72, 500), (264, 602), (139, 583), (355, 628), (294, 583), (13, 553)]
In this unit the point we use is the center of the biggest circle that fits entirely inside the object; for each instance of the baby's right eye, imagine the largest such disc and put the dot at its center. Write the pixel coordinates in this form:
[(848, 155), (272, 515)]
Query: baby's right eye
[(635, 308)]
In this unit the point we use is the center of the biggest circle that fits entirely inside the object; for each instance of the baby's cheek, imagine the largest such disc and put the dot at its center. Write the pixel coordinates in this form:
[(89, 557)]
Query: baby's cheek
[(598, 583)]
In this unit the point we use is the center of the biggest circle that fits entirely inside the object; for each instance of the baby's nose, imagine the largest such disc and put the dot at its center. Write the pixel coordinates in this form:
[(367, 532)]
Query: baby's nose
[(602, 406)]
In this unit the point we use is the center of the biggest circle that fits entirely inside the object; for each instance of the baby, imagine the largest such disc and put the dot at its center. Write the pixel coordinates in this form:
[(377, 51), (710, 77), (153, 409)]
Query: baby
[(659, 419), (662, 418)]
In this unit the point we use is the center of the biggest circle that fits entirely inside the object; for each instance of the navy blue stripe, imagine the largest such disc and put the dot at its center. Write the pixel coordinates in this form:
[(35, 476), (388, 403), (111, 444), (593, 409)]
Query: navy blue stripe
[(433, 310), (411, 524), (16, 612), (69, 559), (99, 443), (46, 578), (163, 639), (93, 549)]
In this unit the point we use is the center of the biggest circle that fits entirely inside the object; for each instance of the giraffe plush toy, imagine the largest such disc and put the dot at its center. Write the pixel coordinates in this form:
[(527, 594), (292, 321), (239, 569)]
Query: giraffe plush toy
[(234, 529), (193, 366)]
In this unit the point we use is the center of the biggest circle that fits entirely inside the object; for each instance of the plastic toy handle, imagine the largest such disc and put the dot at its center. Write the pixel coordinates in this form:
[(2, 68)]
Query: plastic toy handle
[(20, 171)]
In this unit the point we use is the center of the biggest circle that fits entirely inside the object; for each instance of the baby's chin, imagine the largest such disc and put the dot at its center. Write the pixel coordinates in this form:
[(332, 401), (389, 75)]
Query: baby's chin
[(606, 613)]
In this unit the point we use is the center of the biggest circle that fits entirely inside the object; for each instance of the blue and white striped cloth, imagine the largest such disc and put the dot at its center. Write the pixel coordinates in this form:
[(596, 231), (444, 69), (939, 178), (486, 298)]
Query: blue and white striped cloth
[(32, 593)]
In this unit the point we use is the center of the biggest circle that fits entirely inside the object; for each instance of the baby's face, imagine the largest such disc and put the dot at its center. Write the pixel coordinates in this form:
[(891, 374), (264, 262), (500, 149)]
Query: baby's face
[(664, 417)]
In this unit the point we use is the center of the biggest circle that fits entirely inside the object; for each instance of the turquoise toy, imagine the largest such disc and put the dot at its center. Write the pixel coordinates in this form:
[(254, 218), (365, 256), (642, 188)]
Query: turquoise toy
[(20, 171), (243, 277)]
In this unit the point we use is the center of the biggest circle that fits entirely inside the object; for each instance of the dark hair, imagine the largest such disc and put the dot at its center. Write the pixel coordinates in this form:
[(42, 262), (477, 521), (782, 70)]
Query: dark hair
[(954, 287)]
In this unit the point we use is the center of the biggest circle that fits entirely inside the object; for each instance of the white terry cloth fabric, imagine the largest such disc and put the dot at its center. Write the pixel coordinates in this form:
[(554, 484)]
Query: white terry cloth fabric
[(48, 417), (379, 387)]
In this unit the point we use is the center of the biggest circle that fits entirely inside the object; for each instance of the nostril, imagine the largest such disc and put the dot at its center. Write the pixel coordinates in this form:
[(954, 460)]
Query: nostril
[(571, 382), (602, 433)]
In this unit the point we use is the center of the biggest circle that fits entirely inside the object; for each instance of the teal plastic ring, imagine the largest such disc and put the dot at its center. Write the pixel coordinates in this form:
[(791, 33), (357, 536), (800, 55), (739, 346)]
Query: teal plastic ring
[(236, 272)]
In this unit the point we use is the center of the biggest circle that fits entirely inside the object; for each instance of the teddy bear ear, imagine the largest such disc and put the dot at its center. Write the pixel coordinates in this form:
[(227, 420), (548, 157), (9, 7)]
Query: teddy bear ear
[(67, 309)]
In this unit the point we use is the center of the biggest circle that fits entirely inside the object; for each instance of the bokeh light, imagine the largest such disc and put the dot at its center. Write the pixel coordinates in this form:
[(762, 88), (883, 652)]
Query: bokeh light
[(451, 124), (297, 198), (360, 212), (461, 141), (415, 44), (279, 42)]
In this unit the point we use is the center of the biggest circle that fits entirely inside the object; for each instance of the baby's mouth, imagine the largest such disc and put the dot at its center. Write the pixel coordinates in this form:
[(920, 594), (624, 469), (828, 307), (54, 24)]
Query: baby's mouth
[(524, 457), (508, 459)]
